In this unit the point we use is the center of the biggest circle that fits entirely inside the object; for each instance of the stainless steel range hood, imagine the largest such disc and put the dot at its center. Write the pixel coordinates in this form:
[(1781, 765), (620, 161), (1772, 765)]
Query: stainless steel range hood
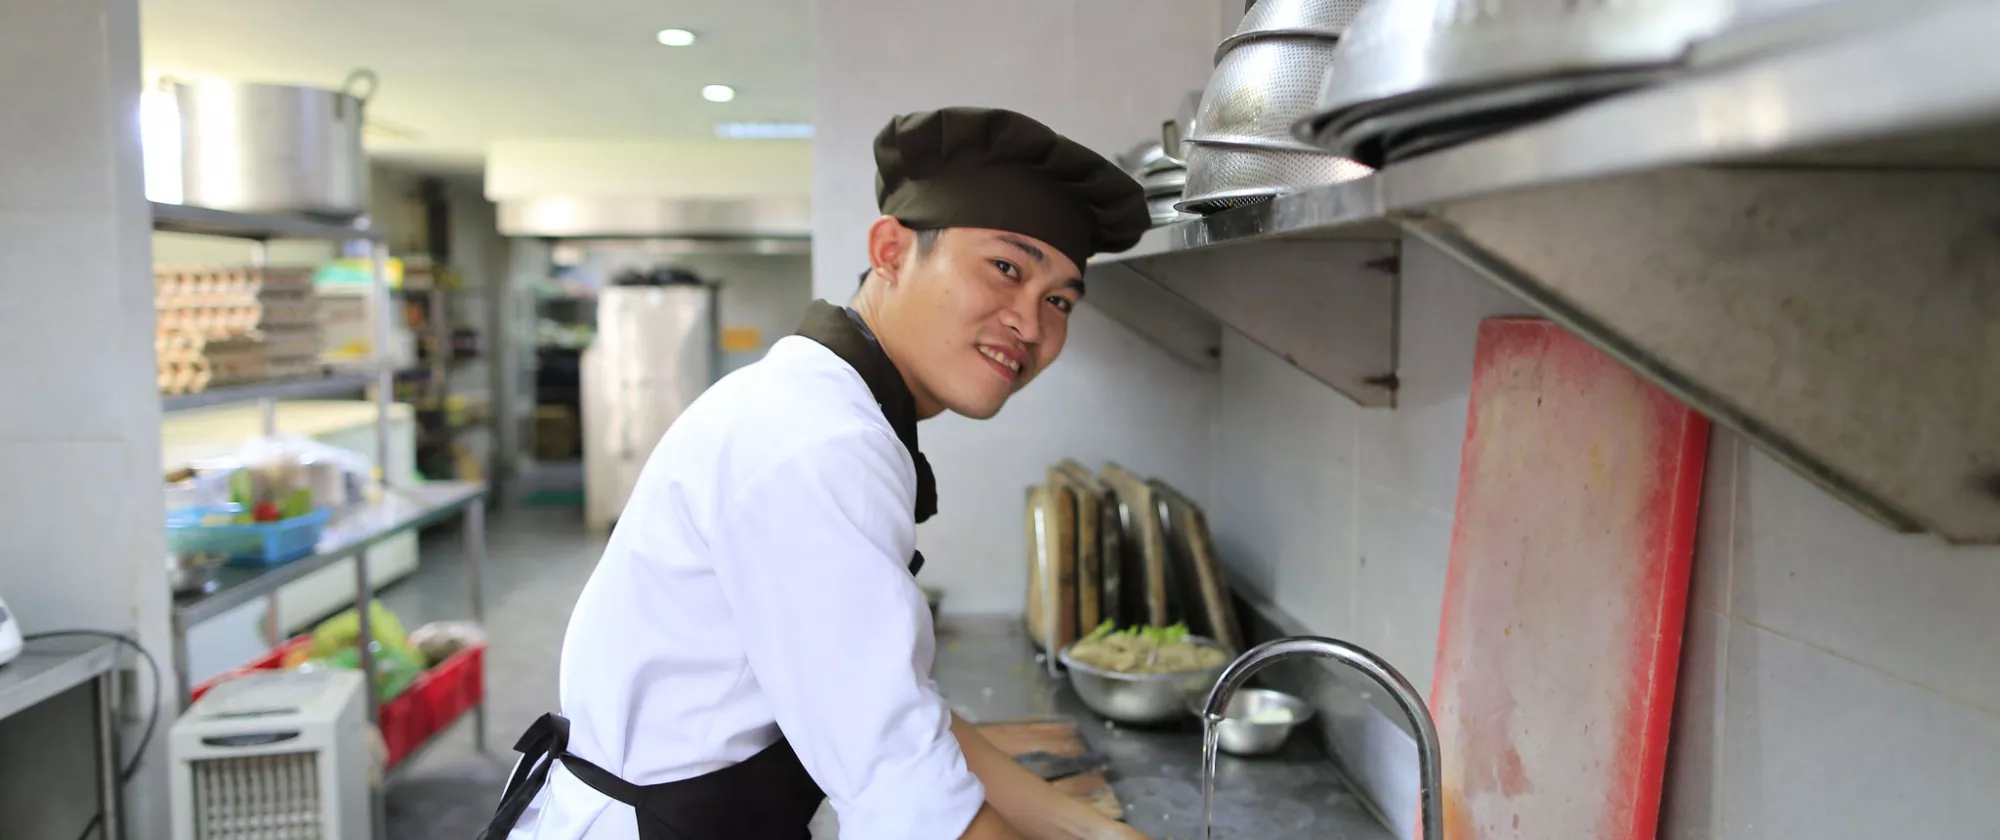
[(1804, 245)]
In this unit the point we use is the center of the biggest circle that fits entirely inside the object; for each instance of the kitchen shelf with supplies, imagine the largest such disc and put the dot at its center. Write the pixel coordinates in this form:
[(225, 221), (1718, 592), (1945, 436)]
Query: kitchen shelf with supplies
[(1792, 234), (186, 218), (330, 385), (352, 533)]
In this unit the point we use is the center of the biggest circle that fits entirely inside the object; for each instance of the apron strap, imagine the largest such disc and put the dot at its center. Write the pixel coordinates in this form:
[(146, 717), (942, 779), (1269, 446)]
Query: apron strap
[(545, 743)]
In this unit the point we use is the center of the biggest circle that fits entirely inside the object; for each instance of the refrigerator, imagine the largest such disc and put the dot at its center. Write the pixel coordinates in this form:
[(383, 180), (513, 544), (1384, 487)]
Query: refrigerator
[(653, 354)]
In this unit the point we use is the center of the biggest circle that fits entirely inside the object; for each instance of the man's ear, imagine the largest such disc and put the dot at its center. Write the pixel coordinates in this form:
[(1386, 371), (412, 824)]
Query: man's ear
[(888, 244)]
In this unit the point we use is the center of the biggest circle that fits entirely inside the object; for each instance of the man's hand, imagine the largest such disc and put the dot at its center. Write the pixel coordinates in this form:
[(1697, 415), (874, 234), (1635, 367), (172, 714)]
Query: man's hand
[(1032, 806)]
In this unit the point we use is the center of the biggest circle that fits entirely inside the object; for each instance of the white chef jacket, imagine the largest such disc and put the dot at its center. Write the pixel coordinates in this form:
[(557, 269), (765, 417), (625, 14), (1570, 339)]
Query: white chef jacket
[(758, 578)]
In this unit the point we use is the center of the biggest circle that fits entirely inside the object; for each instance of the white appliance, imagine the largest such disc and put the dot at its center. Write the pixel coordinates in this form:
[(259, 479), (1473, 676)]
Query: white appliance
[(273, 756), (10, 635), (653, 354)]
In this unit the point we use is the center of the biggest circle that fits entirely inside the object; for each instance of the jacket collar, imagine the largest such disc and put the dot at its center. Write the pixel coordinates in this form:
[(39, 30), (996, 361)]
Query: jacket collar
[(841, 330)]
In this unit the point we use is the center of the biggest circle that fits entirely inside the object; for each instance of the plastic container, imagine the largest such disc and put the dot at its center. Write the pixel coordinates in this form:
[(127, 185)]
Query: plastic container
[(259, 543), (429, 706)]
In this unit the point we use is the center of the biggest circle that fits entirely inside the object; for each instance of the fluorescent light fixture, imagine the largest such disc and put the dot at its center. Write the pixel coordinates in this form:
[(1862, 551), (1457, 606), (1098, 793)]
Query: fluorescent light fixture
[(676, 37), (718, 93), (764, 130)]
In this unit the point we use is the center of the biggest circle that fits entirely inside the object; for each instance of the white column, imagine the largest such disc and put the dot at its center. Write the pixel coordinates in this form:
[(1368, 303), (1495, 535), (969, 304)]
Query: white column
[(79, 413)]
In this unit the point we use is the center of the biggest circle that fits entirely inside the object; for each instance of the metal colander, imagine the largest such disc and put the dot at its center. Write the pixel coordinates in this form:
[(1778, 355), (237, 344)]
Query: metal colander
[(1319, 18), (1261, 89), (1223, 176)]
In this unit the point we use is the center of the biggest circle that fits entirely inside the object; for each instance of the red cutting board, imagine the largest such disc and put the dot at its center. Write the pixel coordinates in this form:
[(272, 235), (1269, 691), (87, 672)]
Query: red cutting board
[(1570, 553)]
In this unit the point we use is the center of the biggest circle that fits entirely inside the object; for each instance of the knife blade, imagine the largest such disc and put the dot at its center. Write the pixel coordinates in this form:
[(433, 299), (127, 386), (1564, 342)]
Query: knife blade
[(1051, 767)]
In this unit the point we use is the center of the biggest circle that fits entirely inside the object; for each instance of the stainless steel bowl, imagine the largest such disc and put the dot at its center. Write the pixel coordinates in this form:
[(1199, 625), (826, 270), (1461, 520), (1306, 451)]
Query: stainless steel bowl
[(1317, 18), (1260, 90), (1221, 177), (1142, 698), (1413, 51), (1238, 733), (1161, 209), (189, 574)]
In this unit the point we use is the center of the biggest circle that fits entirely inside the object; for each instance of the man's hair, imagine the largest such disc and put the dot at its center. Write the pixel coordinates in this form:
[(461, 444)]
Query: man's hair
[(926, 240)]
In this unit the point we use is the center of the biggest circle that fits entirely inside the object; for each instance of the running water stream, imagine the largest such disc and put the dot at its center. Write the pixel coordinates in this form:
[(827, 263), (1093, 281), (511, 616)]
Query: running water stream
[(1209, 734)]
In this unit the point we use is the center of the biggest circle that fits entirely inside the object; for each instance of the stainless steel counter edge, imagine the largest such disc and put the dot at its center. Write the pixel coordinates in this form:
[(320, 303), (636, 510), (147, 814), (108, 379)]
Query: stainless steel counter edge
[(986, 670), (431, 502), (48, 667)]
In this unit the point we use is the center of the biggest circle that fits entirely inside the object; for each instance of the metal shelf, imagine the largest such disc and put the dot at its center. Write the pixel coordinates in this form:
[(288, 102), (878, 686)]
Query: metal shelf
[(48, 667), (400, 510), (284, 389), (184, 218), (1793, 239)]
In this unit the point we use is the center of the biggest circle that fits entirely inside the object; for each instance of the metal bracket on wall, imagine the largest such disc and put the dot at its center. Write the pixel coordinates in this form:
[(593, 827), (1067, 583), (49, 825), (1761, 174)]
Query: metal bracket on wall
[(1326, 305)]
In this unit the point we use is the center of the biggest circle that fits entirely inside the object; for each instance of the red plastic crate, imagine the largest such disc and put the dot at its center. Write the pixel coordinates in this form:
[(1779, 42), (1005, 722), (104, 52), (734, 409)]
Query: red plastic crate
[(432, 702)]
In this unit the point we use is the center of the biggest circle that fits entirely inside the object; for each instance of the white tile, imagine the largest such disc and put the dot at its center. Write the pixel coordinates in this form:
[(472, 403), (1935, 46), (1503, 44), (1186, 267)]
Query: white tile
[(1284, 495), (1715, 530), (1139, 64), (1404, 549), (55, 141), (1691, 802), (1824, 748), (1809, 566), (1414, 449), (66, 516), (61, 332)]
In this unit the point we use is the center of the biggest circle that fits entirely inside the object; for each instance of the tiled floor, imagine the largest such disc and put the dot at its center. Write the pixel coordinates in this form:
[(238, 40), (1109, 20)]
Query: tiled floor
[(537, 561)]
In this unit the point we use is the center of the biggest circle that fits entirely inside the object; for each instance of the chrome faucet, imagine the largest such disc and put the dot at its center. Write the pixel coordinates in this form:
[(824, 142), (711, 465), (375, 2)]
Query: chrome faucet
[(1430, 796)]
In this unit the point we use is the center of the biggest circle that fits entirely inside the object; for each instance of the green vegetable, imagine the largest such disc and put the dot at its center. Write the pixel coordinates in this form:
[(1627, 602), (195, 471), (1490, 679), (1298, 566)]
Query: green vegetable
[(1102, 630), (395, 668), (297, 503), (242, 490), (1144, 632), (341, 631)]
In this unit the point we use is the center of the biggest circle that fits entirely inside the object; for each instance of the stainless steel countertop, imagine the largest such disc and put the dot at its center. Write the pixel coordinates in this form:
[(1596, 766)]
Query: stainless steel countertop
[(987, 670), (48, 667)]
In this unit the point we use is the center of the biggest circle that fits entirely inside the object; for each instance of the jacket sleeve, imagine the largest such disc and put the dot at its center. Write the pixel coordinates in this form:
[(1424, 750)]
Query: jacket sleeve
[(812, 553)]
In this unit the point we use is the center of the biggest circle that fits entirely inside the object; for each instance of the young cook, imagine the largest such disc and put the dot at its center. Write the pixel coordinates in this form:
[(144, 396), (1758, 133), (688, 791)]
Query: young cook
[(753, 641)]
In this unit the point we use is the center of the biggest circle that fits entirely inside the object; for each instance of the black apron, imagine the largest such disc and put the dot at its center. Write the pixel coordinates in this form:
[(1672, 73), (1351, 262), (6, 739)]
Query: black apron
[(768, 796)]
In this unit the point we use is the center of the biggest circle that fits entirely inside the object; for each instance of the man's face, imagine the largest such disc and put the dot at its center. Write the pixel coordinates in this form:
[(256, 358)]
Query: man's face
[(979, 315)]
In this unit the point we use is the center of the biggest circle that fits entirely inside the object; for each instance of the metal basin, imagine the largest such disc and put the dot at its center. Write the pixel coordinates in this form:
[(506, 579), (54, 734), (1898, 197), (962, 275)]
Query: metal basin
[(1142, 698), (1238, 733)]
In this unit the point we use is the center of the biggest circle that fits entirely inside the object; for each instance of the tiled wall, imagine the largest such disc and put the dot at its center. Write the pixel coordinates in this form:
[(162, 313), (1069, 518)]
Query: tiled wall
[(1838, 680), (79, 425)]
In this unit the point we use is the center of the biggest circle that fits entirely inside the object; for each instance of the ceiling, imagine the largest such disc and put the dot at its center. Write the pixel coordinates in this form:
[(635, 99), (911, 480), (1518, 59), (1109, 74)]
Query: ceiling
[(457, 75)]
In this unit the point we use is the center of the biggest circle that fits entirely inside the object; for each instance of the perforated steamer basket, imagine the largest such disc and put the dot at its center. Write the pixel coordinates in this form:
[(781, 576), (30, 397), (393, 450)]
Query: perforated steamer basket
[(1319, 18), (1260, 90), (1221, 177)]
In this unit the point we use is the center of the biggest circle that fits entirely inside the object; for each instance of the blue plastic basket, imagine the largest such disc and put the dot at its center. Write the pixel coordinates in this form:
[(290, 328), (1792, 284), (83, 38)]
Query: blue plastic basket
[(255, 544)]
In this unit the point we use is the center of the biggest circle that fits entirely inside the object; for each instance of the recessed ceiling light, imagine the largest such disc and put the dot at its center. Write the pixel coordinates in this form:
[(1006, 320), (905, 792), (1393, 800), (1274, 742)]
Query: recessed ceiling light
[(676, 37), (764, 131), (718, 93)]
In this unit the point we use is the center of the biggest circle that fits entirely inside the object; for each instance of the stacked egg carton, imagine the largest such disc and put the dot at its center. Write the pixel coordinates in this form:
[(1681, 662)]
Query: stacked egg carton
[(230, 326)]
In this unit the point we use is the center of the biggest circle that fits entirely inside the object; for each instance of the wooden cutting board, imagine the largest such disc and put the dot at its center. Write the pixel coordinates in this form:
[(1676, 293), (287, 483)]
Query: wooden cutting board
[(1565, 594), (1051, 536), (1057, 738)]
